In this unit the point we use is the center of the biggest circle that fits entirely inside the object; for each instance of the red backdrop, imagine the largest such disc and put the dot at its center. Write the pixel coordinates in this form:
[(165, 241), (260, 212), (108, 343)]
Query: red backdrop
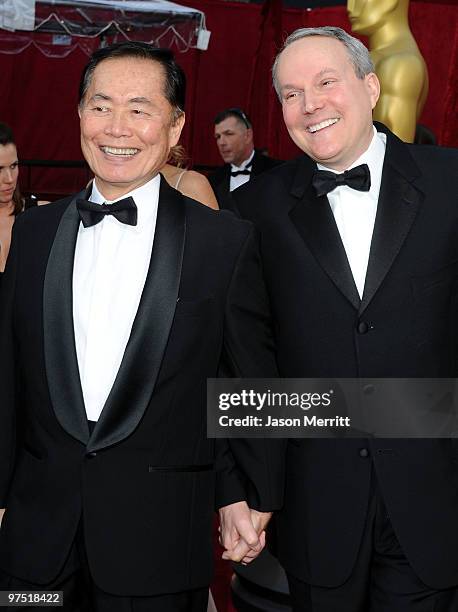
[(40, 93)]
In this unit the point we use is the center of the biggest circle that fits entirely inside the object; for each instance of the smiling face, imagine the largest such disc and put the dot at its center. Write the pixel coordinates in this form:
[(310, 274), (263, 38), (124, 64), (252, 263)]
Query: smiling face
[(127, 124), (234, 140), (326, 108), (9, 170)]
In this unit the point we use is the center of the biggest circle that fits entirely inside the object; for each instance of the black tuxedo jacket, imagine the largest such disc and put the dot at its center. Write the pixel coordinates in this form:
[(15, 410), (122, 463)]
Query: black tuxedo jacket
[(145, 481), (410, 305), (220, 179)]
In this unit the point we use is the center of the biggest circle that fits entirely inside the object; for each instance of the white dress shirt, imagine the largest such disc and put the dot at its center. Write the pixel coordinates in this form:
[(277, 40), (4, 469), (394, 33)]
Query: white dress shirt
[(110, 268), (354, 211), (241, 179)]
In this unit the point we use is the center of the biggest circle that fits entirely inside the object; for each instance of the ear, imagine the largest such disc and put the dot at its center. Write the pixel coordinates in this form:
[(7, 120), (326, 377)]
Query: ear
[(176, 128), (79, 111), (249, 135), (373, 87)]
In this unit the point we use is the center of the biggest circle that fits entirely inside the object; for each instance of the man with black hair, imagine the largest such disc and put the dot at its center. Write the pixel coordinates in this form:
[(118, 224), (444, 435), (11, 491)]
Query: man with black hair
[(234, 139), (117, 304)]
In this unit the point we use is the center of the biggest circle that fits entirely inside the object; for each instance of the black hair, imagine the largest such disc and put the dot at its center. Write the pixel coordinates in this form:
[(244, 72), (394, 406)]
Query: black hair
[(238, 113), (175, 79), (6, 135)]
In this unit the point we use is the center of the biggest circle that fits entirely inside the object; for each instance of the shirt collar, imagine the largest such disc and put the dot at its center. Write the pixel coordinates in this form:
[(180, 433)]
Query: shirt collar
[(373, 156), (244, 164), (146, 198)]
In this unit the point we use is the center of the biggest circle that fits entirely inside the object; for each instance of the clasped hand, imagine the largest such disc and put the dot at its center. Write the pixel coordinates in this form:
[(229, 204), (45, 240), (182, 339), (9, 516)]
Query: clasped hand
[(242, 531)]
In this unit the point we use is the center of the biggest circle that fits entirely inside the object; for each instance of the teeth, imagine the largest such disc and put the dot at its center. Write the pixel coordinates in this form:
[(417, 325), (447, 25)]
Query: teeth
[(117, 151), (320, 126)]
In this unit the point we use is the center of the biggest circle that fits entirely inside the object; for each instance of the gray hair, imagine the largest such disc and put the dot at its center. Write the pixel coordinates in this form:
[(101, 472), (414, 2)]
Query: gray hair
[(358, 54)]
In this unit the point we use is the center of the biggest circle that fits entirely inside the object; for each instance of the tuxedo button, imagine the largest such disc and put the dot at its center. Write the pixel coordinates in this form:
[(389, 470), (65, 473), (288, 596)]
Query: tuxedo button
[(91, 455), (363, 452), (363, 327)]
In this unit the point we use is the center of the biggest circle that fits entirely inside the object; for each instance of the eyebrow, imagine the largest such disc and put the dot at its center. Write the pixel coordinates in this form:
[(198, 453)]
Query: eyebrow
[(321, 74), (325, 71), (138, 100), (99, 96)]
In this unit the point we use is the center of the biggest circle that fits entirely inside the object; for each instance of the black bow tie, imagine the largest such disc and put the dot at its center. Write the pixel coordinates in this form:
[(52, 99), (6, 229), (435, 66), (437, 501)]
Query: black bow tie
[(358, 178), (240, 172), (246, 171), (124, 210)]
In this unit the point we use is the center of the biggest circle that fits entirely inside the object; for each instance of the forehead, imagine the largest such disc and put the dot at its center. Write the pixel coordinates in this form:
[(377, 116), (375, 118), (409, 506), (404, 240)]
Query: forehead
[(128, 77), (8, 154), (312, 55), (230, 123)]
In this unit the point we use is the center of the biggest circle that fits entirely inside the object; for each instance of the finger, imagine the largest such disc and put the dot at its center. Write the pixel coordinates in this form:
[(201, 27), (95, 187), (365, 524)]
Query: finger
[(236, 554), (239, 552), (249, 557), (229, 538), (252, 554), (229, 543), (248, 533)]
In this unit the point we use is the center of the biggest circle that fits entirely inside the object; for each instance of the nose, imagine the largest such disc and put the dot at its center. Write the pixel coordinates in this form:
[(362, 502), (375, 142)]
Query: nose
[(312, 101), (118, 125), (8, 175)]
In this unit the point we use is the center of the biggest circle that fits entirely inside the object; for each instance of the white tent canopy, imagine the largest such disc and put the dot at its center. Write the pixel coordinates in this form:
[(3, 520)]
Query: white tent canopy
[(147, 6), (159, 22)]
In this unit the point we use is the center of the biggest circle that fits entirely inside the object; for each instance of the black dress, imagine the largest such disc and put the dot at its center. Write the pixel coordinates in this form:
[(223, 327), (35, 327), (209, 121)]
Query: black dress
[(29, 202)]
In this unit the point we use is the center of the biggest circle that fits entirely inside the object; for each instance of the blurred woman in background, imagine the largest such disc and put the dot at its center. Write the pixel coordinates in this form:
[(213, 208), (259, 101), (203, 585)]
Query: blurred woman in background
[(11, 201)]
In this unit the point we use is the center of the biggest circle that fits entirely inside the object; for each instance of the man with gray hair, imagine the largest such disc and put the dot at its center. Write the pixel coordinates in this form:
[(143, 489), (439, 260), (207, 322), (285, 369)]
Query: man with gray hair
[(359, 247)]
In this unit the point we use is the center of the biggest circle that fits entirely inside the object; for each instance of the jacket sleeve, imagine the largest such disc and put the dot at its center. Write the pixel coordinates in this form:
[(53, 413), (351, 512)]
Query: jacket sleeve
[(250, 469), (7, 371)]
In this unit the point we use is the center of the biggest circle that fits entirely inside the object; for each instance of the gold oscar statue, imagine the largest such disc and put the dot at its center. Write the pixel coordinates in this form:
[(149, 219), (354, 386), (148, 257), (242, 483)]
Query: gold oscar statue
[(398, 62)]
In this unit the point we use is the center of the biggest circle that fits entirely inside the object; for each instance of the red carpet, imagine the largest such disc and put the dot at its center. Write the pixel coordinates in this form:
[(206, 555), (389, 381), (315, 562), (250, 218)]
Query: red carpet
[(220, 587)]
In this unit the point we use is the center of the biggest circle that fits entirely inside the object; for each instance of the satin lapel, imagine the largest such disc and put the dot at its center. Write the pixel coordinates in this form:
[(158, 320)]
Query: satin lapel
[(398, 205), (59, 340), (315, 222), (142, 359)]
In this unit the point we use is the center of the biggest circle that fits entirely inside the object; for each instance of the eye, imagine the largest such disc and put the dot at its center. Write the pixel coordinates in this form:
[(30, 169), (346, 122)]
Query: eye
[(14, 165), (101, 109), (137, 111), (327, 82)]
